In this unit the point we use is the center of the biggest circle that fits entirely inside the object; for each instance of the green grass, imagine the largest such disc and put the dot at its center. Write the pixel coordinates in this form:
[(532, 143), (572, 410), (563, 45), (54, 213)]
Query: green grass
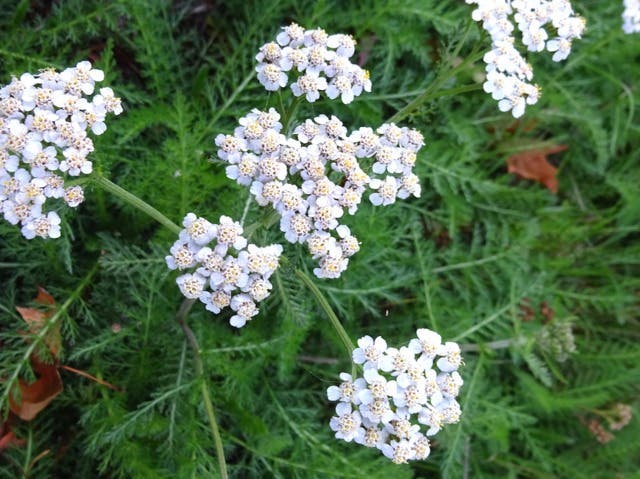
[(462, 259)]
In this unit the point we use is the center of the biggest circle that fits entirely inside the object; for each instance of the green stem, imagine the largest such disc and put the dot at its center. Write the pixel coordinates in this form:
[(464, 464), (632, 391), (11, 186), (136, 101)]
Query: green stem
[(134, 201), (185, 307), (324, 304), (222, 110), (288, 115), (39, 338), (432, 92)]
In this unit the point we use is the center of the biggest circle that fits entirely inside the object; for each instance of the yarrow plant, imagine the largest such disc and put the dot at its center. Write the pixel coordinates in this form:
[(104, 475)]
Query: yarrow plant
[(44, 119), (508, 73), (400, 391), (312, 178), (631, 16), (218, 278), (319, 62)]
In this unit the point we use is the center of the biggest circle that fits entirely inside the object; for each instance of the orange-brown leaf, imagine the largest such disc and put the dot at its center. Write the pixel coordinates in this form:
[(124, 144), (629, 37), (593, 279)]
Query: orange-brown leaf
[(7, 436), (36, 319), (44, 297), (36, 396), (534, 165)]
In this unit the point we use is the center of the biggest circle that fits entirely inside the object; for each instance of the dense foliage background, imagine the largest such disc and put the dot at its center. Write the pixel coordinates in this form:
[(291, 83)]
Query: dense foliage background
[(499, 264)]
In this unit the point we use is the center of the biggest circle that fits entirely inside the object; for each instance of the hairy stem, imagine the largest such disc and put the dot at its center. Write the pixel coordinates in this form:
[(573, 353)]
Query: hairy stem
[(134, 201), (324, 304), (185, 307)]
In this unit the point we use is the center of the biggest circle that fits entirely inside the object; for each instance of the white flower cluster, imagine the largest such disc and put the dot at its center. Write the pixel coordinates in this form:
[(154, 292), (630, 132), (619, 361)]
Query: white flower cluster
[(321, 62), (245, 274), (399, 391), (631, 16), (508, 73), (311, 179), (42, 116)]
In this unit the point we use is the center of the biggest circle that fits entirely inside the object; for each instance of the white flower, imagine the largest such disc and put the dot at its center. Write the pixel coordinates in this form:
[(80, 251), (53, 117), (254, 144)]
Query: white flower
[(349, 243), (449, 384), (386, 191), (451, 359), (396, 361), (508, 73), (271, 168), (346, 423), (271, 76), (331, 266), (182, 256), (245, 170), (191, 285), (317, 37), (307, 131), (267, 193), (409, 186), (43, 226), (390, 411), (377, 387), (343, 44), (631, 16), (295, 226), (258, 288), (369, 351), (230, 233), (427, 344), (215, 301), (232, 275), (341, 86), (291, 200), (294, 58), (377, 411), (348, 391), (197, 229), (400, 452), (75, 162), (293, 35), (210, 260), (561, 47), (263, 261), (110, 102), (245, 310), (269, 53), (18, 212), (310, 85), (216, 268), (372, 435), (231, 147)]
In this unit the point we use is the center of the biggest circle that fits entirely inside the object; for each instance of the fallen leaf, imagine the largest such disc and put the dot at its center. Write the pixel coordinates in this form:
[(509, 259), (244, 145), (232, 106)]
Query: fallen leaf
[(44, 297), (36, 396), (7, 436), (534, 165), (36, 319)]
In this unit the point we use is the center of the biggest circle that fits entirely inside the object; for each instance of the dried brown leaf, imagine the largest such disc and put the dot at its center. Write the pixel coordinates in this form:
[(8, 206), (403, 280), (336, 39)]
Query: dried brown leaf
[(534, 165), (36, 396)]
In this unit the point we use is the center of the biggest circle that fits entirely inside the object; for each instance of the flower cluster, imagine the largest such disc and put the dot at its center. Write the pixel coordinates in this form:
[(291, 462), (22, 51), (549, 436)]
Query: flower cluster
[(631, 16), (311, 179), (398, 387), (239, 281), (320, 61), (44, 120), (508, 73), (556, 339)]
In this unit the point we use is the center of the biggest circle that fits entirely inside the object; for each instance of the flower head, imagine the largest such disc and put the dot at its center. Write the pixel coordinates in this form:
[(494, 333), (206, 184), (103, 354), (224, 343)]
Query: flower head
[(44, 119), (399, 393), (222, 279)]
